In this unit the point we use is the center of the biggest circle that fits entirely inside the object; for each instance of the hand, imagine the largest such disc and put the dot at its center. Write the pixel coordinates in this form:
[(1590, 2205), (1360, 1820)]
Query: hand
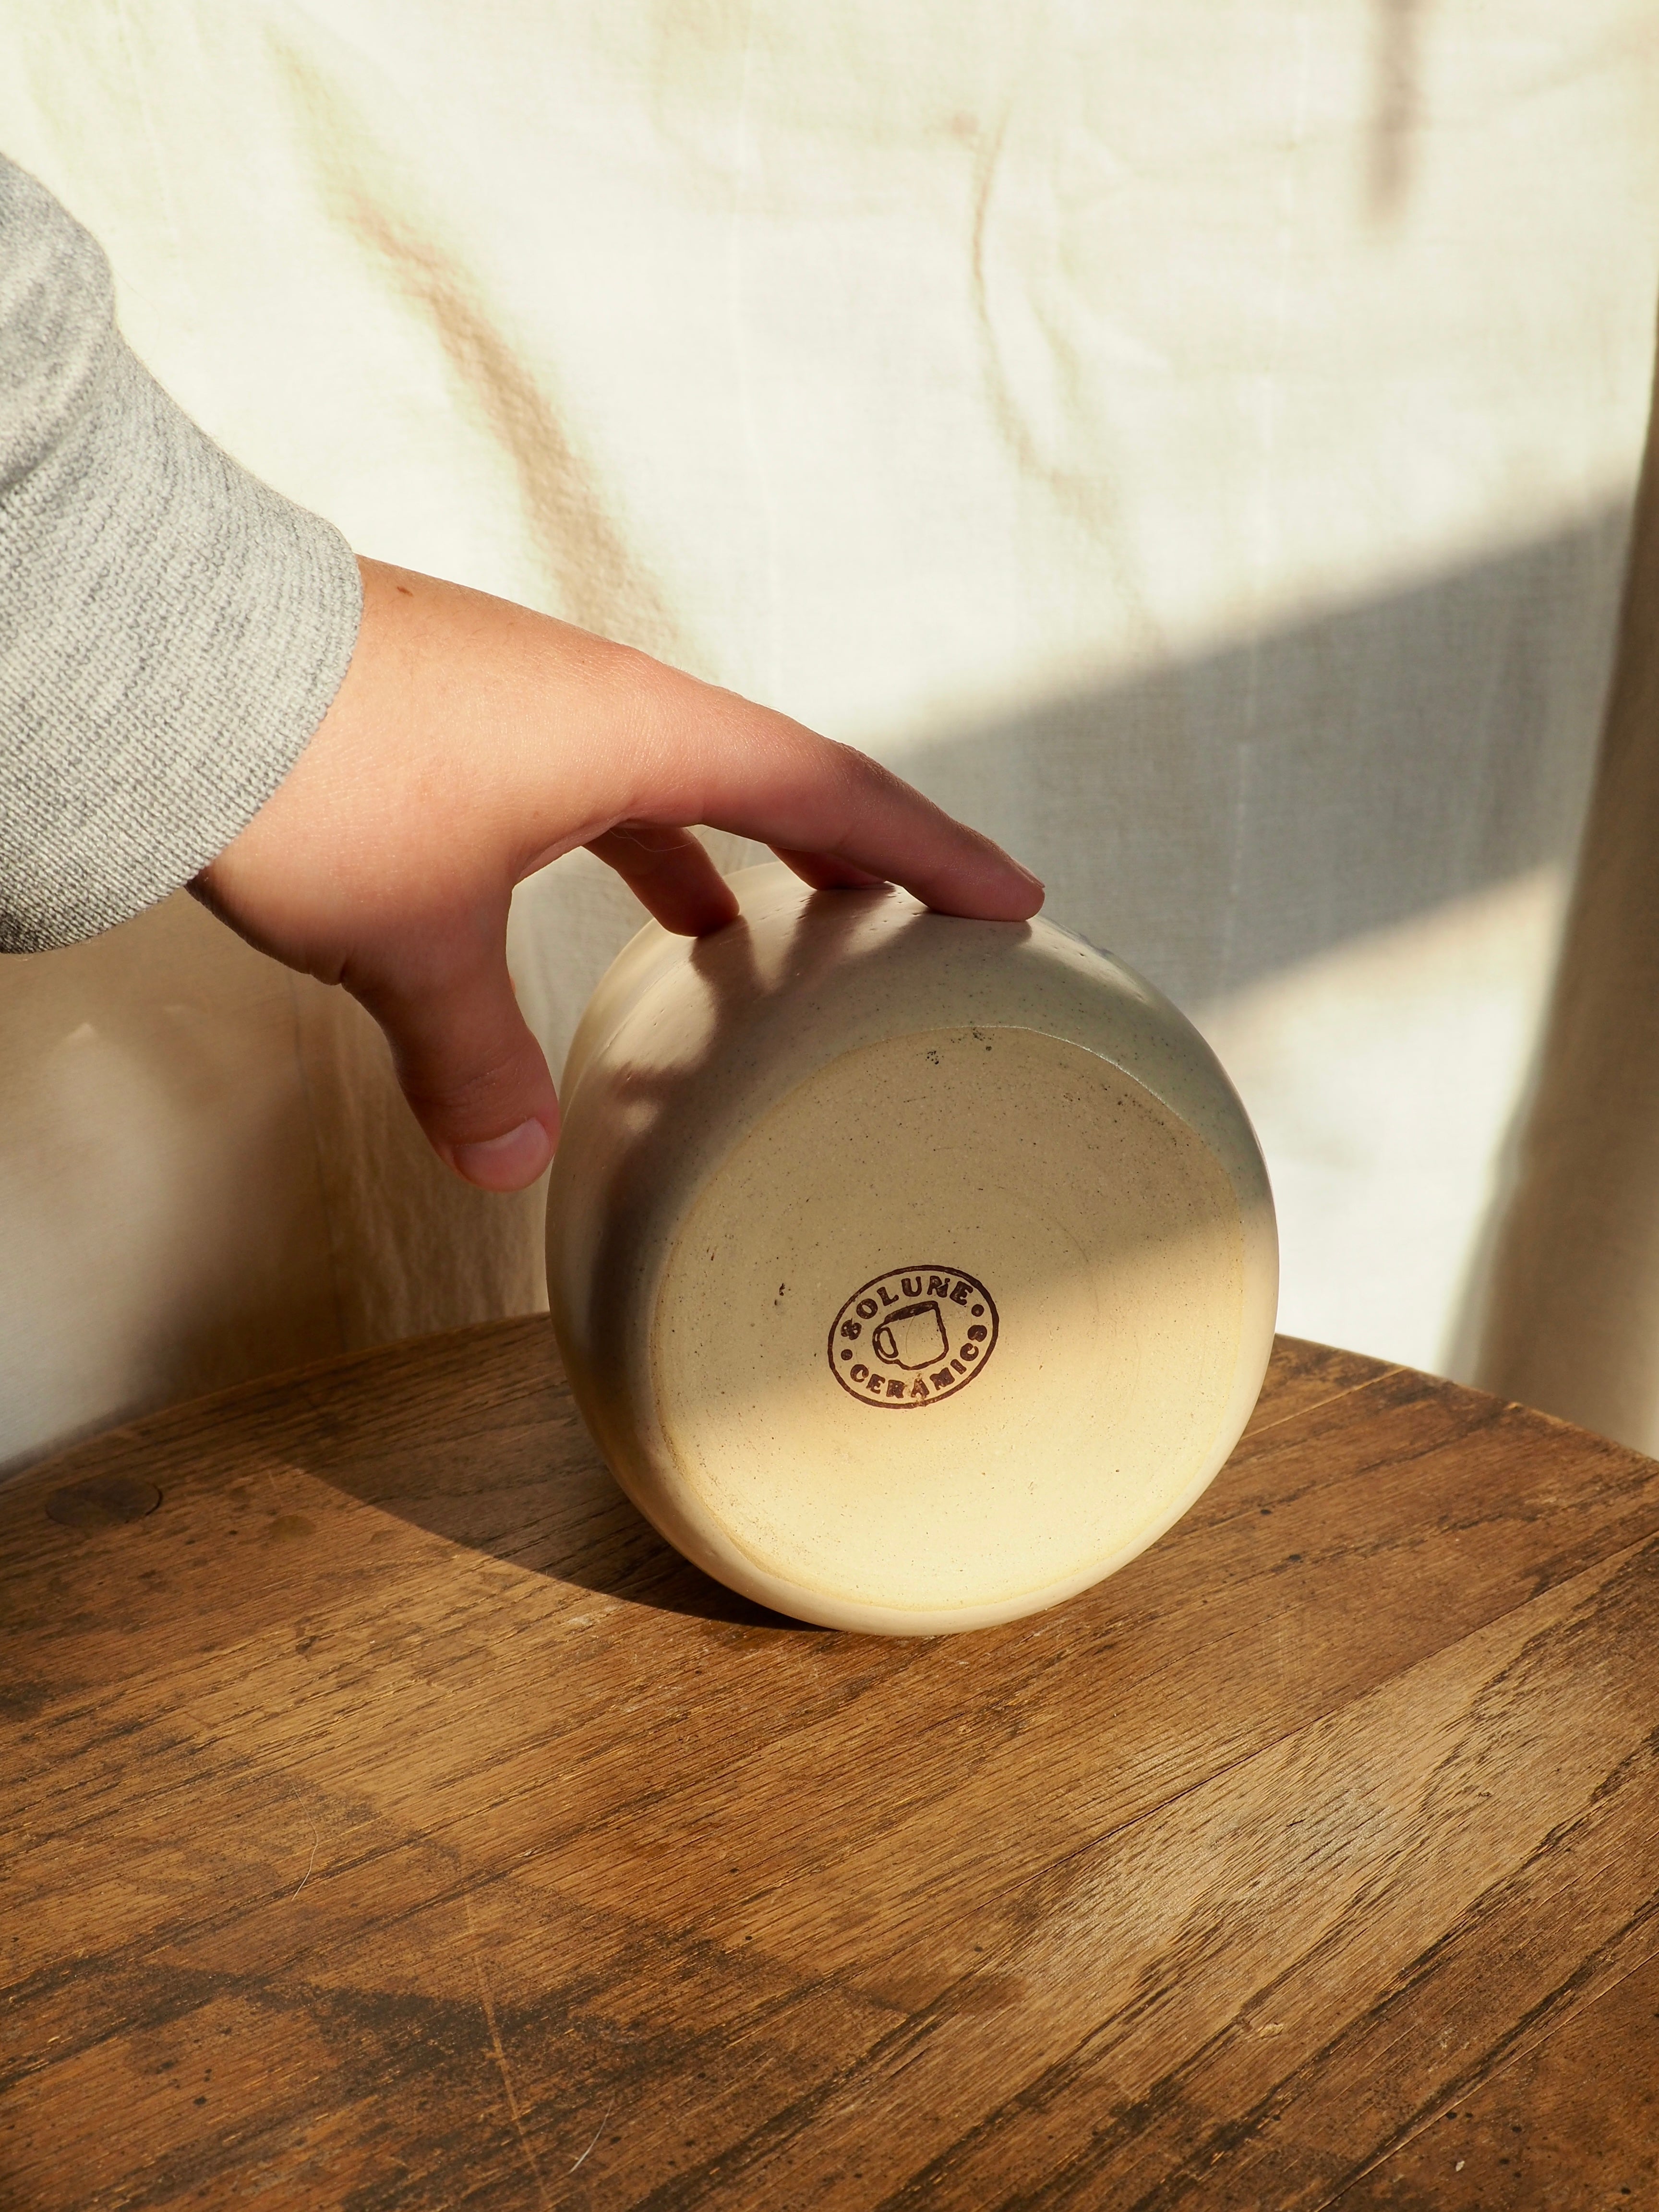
[(471, 742)]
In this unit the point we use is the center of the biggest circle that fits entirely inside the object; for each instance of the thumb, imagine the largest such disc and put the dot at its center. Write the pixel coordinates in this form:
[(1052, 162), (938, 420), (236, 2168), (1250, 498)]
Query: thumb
[(475, 1078)]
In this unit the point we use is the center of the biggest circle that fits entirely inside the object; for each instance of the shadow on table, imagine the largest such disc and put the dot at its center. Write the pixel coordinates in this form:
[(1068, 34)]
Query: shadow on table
[(606, 1545), (530, 1489), (658, 1576), (616, 1553)]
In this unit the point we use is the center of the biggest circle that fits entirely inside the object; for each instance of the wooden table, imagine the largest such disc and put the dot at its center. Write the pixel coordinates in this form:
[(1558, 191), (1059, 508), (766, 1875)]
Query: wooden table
[(391, 1820)]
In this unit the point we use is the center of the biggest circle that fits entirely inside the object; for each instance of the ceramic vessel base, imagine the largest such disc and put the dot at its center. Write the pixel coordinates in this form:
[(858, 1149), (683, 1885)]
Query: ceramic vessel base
[(956, 1321)]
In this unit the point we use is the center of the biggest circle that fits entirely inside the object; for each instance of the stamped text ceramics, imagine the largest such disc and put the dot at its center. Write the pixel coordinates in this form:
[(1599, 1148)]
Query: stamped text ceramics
[(911, 1273)]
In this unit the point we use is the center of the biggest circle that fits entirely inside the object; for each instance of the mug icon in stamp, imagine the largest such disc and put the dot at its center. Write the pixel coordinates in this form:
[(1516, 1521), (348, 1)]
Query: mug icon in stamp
[(913, 1336)]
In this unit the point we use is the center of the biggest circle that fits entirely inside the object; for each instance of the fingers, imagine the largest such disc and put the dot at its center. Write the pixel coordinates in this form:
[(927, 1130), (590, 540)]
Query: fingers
[(826, 873), (473, 1074), (833, 814), (672, 877), (857, 815), (671, 874)]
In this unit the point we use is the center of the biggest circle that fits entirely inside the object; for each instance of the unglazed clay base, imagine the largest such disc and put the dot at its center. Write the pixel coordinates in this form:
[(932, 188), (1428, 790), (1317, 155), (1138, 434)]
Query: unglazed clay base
[(913, 1273)]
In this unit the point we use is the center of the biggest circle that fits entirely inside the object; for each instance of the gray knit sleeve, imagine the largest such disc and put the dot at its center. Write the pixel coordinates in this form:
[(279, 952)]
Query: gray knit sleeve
[(171, 631)]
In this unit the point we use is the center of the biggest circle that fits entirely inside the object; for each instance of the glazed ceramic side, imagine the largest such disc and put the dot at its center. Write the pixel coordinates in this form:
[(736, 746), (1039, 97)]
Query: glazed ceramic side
[(911, 1273)]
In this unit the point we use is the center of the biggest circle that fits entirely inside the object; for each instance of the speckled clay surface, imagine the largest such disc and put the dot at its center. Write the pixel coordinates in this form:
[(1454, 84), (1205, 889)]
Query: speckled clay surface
[(911, 1273)]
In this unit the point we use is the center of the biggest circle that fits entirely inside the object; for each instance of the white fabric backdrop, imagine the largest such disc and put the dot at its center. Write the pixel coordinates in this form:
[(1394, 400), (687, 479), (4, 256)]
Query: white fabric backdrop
[(1194, 440)]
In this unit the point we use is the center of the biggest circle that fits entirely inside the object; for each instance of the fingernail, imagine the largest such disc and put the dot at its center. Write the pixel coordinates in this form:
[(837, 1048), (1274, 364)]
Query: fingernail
[(506, 1163)]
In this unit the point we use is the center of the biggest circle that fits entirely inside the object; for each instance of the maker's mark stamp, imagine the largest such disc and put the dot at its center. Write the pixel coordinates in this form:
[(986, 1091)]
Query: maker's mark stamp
[(913, 1336)]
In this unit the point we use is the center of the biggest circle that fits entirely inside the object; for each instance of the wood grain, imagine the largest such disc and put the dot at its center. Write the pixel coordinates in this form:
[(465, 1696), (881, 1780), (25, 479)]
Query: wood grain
[(391, 1820)]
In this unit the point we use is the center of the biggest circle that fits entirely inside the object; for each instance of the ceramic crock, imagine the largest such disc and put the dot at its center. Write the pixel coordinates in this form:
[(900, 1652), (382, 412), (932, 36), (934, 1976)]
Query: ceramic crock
[(911, 1273)]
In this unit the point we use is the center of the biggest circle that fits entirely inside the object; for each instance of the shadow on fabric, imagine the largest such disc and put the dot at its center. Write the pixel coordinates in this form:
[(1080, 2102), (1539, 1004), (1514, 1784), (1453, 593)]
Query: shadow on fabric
[(1224, 816)]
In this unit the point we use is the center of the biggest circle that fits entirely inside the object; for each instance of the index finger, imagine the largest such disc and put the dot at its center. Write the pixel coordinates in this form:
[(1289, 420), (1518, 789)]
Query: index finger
[(814, 801)]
